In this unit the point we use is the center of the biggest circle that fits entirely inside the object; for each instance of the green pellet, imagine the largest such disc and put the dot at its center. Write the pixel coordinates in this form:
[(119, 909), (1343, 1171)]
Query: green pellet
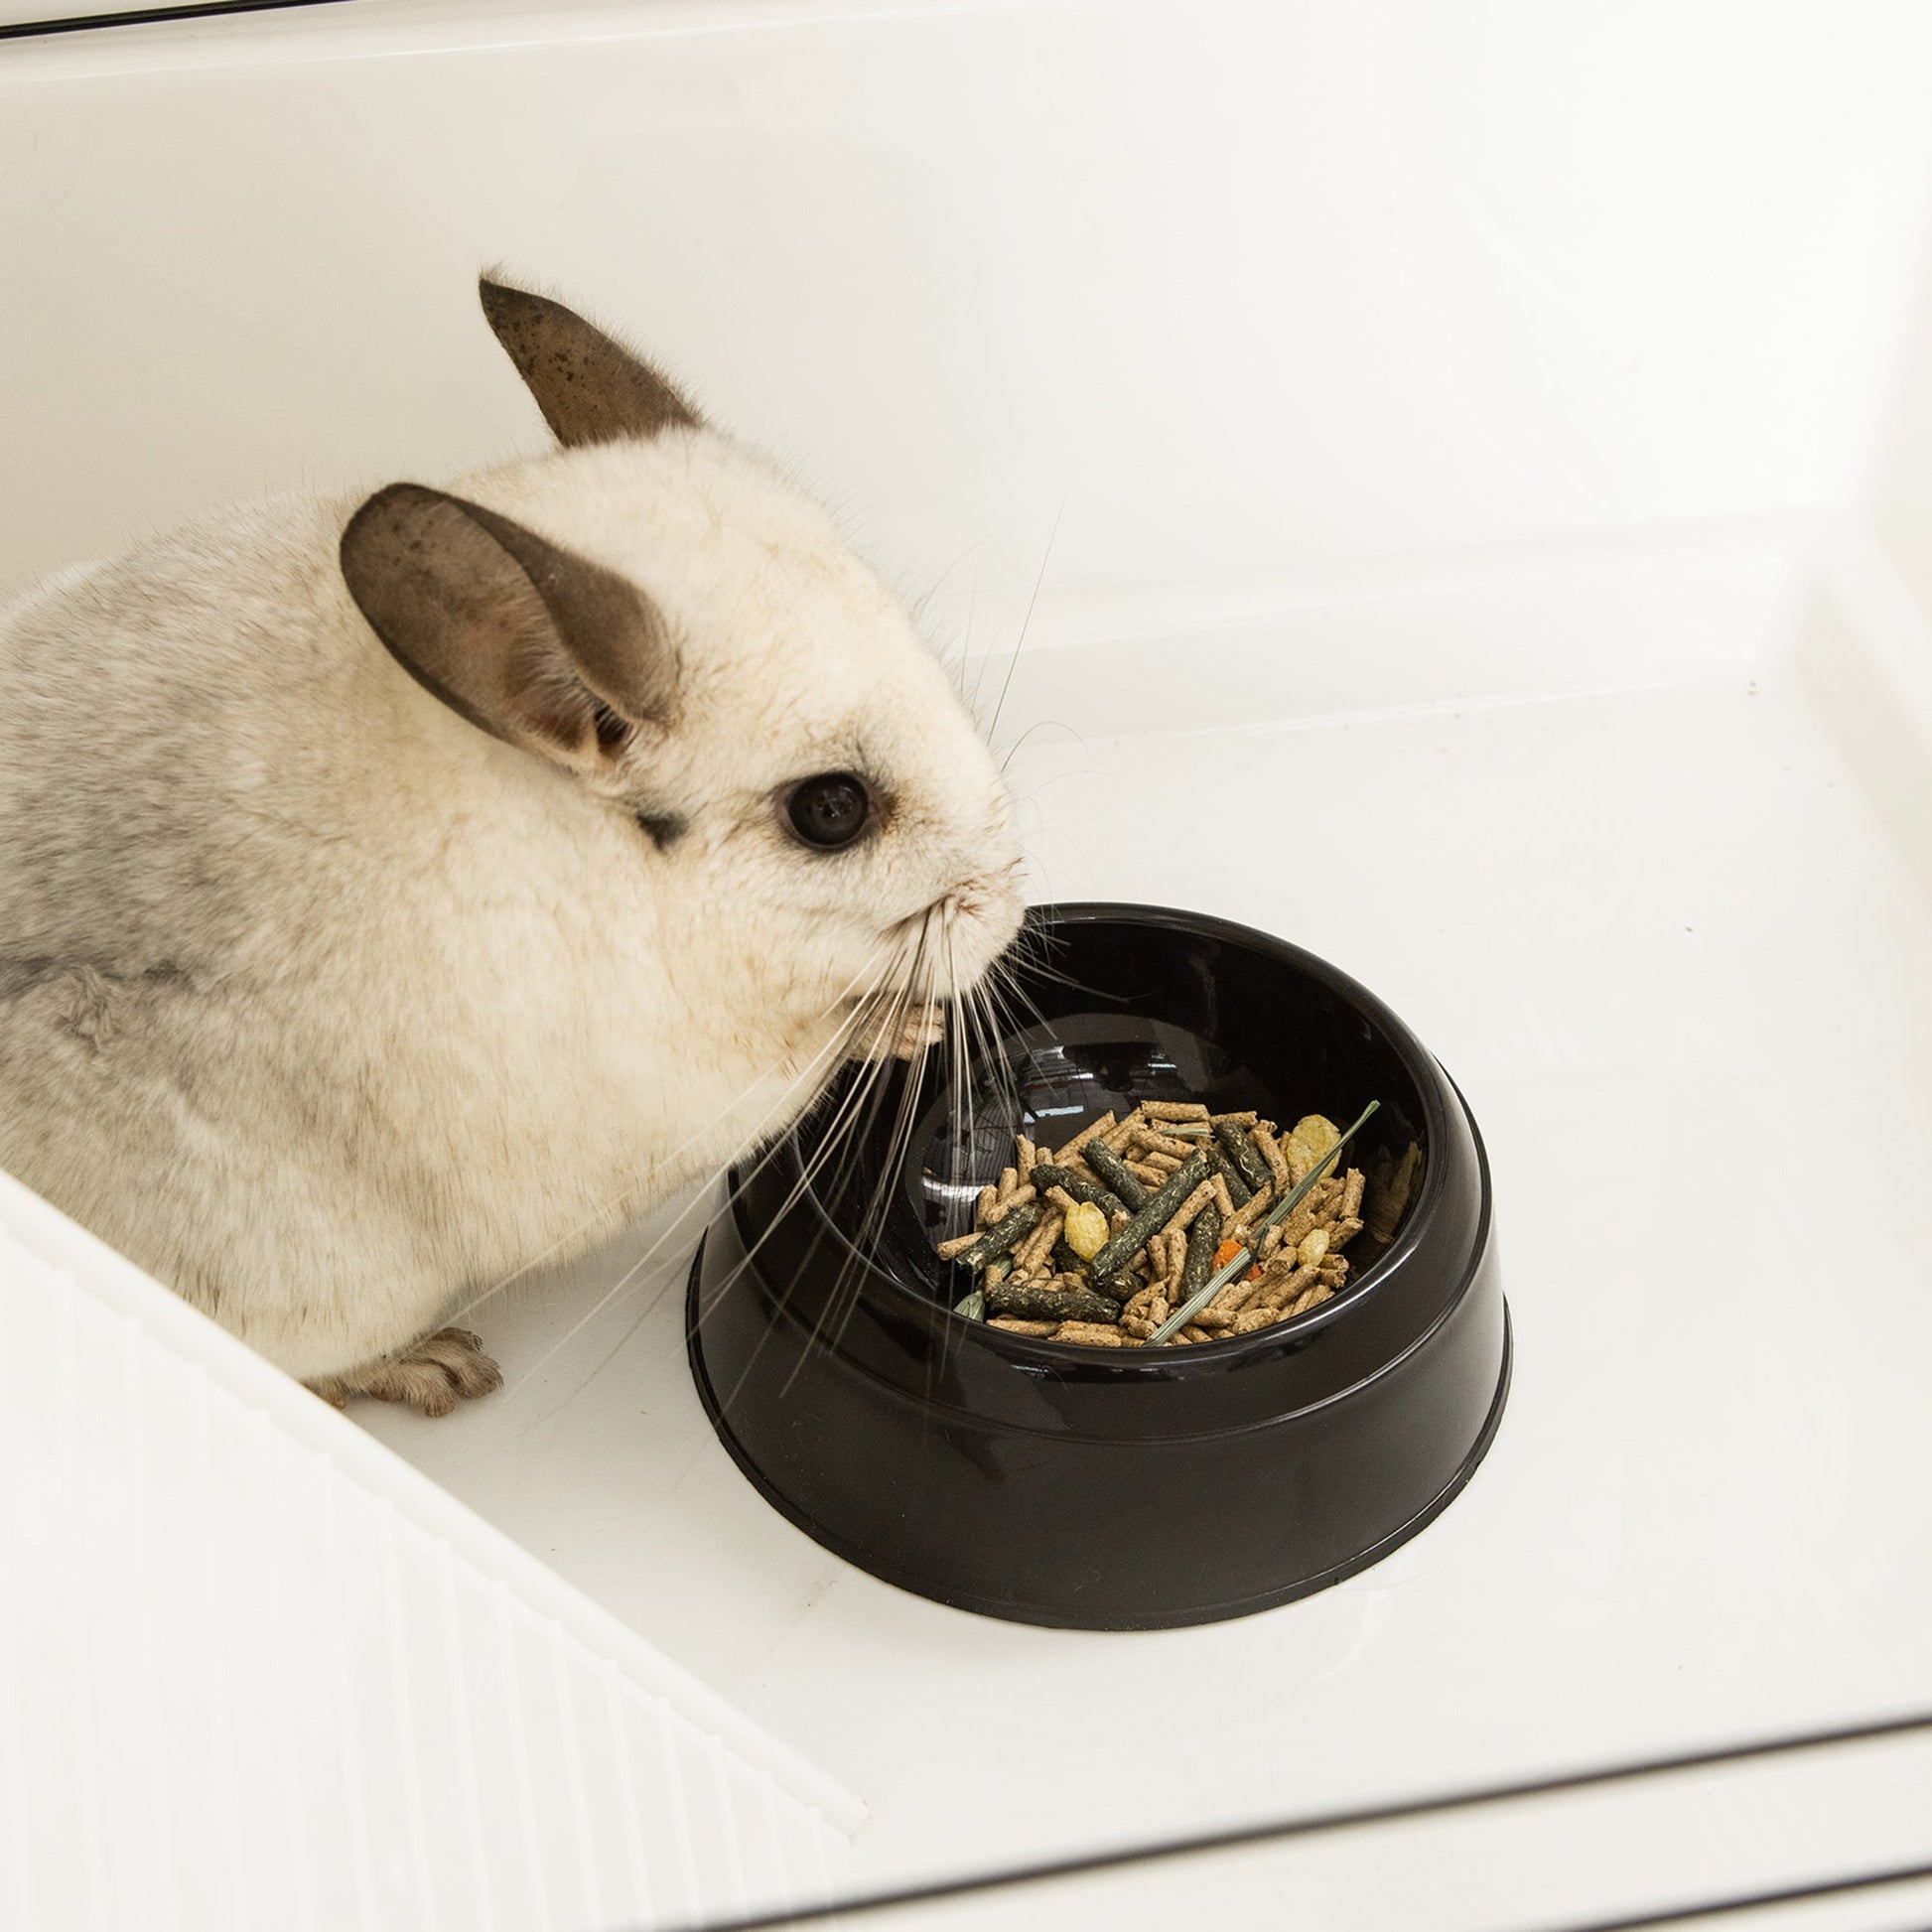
[(1046, 1175), (1239, 1192), (1065, 1261), (1160, 1208), (1203, 1237), (1003, 1236), (1033, 1301), (1114, 1171), (1242, 1153)]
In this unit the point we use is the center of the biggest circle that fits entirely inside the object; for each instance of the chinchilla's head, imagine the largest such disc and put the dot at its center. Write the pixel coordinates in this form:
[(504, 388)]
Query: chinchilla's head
[(656, 617)]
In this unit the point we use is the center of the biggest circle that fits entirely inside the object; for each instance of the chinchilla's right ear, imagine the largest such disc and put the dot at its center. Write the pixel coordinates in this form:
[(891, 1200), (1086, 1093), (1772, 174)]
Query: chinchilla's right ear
[(590, 388), (531, 643)]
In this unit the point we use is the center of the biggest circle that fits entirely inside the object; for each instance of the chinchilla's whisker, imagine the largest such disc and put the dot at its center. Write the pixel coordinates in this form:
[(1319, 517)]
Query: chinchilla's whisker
[(898, 1147), (641, 1261), (912, 1085), (1051, 537), (852, 1119), (867, 973), (871, 1218), (814, 1073), (854, 1128)]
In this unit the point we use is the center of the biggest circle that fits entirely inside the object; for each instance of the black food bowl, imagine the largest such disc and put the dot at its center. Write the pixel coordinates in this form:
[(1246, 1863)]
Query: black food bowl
[(1109, 1488)]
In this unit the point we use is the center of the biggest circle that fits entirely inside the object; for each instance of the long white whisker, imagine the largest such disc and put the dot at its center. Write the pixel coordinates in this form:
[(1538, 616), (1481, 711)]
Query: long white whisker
[(811, 1072), (1051, 536)]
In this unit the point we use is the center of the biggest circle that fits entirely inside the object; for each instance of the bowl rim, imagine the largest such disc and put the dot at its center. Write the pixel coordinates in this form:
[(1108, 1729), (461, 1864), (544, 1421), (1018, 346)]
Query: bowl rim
[(1036, 1352)]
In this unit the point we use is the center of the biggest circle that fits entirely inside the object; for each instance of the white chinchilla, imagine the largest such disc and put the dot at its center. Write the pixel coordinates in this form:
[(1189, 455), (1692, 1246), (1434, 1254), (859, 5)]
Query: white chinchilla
[(393, 893)]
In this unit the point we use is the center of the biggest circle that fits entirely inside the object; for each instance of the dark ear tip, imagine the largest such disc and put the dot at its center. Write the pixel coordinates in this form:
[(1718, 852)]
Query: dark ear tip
[(381, 516), (504, 299), (391, 497)]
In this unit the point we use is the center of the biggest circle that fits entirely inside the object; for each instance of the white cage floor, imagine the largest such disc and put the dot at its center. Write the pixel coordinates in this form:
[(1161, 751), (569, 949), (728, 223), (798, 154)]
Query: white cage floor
[(1630, 838)]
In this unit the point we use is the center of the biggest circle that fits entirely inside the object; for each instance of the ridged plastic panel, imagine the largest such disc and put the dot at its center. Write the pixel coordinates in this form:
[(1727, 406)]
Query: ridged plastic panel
[(254, 1670)]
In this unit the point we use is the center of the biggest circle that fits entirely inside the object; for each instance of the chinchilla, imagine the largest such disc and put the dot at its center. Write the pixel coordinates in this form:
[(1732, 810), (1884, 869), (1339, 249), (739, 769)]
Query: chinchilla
[(396, 891)]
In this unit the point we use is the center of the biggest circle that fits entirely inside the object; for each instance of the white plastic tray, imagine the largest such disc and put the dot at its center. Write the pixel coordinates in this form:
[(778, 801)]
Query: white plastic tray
[(1630, 834)]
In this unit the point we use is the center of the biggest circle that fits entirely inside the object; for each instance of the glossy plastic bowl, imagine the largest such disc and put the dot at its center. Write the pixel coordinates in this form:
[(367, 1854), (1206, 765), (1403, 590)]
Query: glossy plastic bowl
[(1110, 1489)]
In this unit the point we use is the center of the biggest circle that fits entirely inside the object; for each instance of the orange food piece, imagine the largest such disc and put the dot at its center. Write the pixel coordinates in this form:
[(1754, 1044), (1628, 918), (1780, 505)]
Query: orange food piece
[(1226, 1252)]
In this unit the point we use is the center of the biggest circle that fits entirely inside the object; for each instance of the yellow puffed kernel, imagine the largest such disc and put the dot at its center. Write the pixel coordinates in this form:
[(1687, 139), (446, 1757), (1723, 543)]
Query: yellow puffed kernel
[(1313, 1136), (1086, 1231), (1312, 1249)]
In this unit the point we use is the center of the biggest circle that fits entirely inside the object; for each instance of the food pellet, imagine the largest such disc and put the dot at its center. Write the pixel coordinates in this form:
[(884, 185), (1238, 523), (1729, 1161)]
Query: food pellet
[(1096, 1334), (1080, 1139), (1098, 1242), (1041, 1304)]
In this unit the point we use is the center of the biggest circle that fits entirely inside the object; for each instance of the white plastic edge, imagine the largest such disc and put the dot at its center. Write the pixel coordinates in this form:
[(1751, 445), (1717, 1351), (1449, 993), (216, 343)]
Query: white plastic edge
[(112, 1280)]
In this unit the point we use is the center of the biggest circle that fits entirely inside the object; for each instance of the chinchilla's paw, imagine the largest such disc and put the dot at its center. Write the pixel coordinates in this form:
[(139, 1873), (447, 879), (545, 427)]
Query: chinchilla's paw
[(436, 1374)]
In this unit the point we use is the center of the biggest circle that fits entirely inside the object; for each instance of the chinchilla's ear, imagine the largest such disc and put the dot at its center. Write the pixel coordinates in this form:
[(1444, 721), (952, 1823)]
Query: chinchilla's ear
[(590, 388), (535, 645)]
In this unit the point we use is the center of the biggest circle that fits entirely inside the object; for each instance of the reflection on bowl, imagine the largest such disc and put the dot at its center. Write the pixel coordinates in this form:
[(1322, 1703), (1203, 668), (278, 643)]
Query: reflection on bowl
[(1111, 1488)]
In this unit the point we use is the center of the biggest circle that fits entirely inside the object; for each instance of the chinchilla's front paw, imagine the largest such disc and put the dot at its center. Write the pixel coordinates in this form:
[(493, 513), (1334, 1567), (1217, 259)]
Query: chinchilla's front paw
[(433, 1376)]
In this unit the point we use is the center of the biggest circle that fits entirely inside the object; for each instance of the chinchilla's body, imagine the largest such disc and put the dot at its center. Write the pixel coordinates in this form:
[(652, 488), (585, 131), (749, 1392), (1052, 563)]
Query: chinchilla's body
[(394, 896)]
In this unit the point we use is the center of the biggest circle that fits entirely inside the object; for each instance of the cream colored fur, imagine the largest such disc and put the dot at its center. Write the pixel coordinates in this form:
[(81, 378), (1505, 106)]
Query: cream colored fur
[(332, 1010)]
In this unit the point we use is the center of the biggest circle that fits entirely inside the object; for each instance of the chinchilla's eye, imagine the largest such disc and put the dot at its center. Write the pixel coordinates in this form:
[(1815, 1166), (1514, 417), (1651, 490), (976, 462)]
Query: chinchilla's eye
[(829, 810)]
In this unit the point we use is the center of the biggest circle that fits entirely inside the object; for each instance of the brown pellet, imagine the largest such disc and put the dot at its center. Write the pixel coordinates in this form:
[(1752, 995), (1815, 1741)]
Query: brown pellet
[(1293, 1284), (1013, 1325), (1269, 1151), (1080, 1139), (1028, 1154), (1183, 1217), (984, 1207), (1249, 1214), (1165, 1263), (1352, 1194), (1174, 1109), (1093, 1334), (957, 1245), (1009, 1183), (1038, 1244)]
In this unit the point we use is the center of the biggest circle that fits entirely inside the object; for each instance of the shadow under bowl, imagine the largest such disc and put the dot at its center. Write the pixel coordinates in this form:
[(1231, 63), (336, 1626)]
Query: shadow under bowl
[(1109, 1488)]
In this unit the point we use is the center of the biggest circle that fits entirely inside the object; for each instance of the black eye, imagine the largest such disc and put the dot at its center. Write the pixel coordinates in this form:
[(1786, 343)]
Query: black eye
[(831, 809)]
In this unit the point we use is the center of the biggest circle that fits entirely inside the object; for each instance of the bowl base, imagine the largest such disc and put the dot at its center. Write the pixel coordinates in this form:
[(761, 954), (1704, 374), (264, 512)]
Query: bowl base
[(877, 1564)]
